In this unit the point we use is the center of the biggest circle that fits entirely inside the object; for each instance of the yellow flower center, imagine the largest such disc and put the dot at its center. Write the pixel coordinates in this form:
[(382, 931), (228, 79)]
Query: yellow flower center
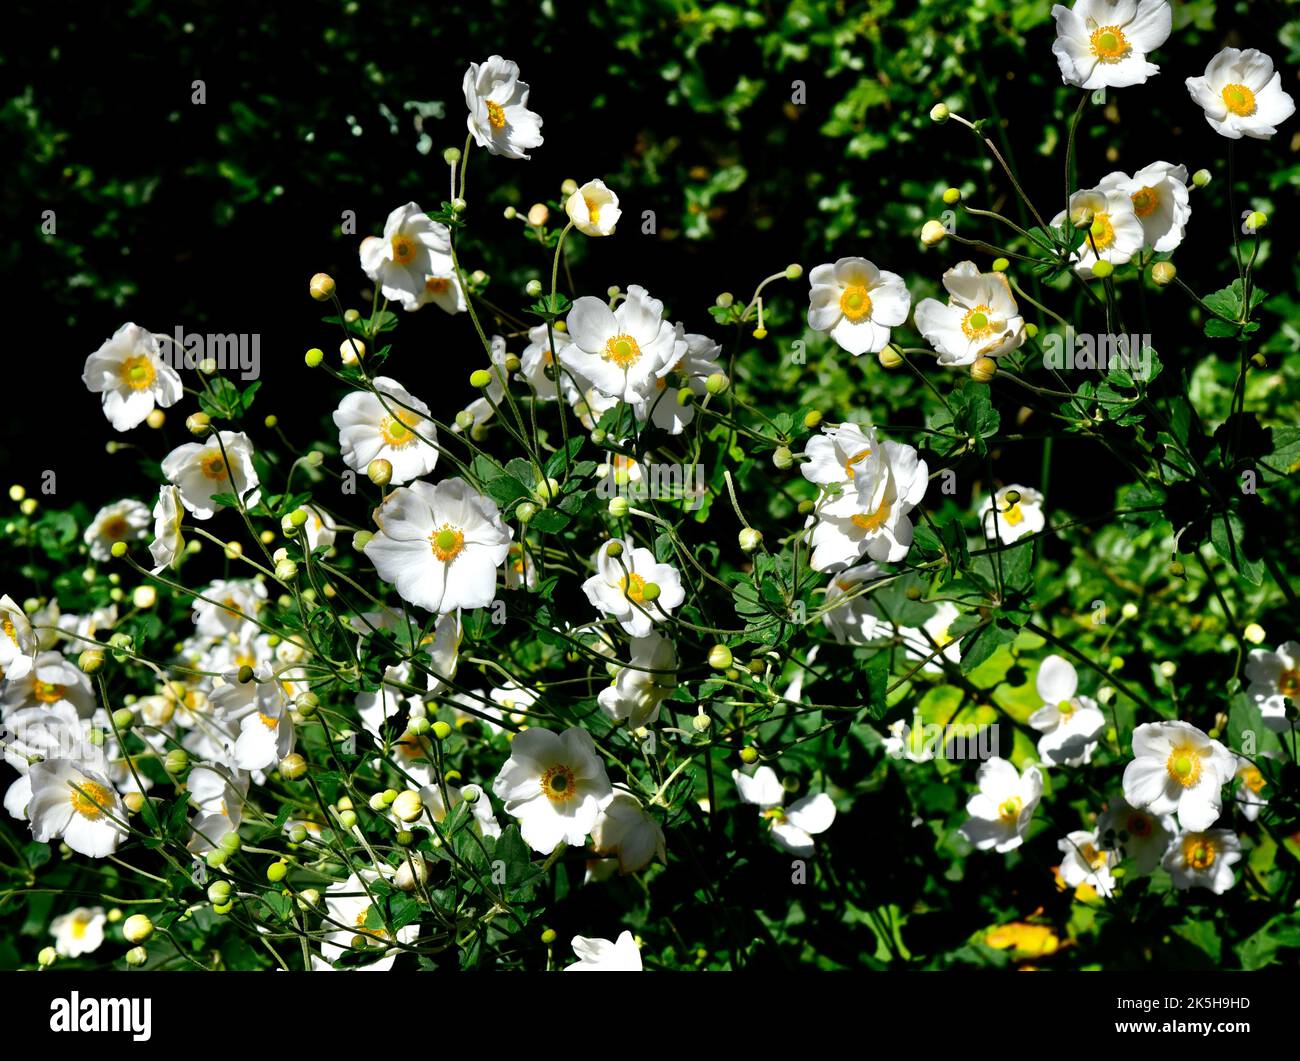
[(1009, 809), (857, 458), (115, 528), (1288, 682), (268, 721), (360, 924), (1184, 765), (871, 521), (1066, 708), (1199, 852), (1251, 778), (593, 210), (48, 692), (138, 372), (447, 542), (1013, 515), (559, 784), (976, 323), (89, 799), (1109, 44), (1145, 201), (1096, 859), (1238, 99), (1102, 232), (213, 465), (633, 587), (855, 303), (79, 925), (622, 350), (437, 285), (496, 115), (403, 249), (397, 430)]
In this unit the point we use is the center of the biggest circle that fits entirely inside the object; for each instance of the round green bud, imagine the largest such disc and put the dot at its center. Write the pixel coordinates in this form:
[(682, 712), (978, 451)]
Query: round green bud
[(533, 288), (441, 730), (750, 539), (782, 457), (123, 719), (1031, 330), (933, 233), (348, 819), (614, 549), (889, 356), (480, 378), (1256, 220), (952, 195), (812, 419), (408, 806), (650, 591), (685, 396), (1102, 269), (118, 550), (724, 300), (749, 756), (277, 871), (380, 471), (716, 383), (314, 357), (720, 657), (510, 213), (405, 838), (1201, 178), (361, 539), (451, 156), (793, 272), (548, 936), (418, 726), (805, 507), (293, 766), (618, 507), (230, 843), (458, 205), (321, 286), (137, 928), (1001, 265), (90, 660), (47, 957), (298, 834), (940, 112), (176, 761), (137, 956)]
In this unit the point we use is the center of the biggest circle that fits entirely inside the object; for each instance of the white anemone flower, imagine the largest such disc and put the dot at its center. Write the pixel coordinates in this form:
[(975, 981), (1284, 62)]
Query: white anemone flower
[(839, 453), (78, 805), (1139, 835), (980, 319), (168, 545), (130, 374), (1070, 724), (349, 922), (795, 826), (638, 690), (932, 641), (1242, 94), (223, 464), (412, 249), (846, 611), (18, 641), (1274, 679), (1019, 514), (1204, 860), (555, 785), (663, 407), (539, 356), (78, 932), (622, 587), (1114, 232), (1178, 769), (621, 351), (1105, 43), (1001, 811), (1084, 861), (123, 521), (602, 956), (1249, 795), (593, 209), (499, 118), (395, 428), (1160, 201), (217, 794), (53, 679), (440, 545), (625, 829), (856, 304)]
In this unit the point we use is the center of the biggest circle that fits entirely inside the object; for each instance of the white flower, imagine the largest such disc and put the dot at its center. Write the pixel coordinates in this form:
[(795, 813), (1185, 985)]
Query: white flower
[(887, 480), (443, 649), (122, 521), (230, 605), (621, 587), (411, 262), (639, 689), (980, 318), (1250, 787), (1274, 678), (218, 795), (168, 545), (514, 701), (79, 932), (1177, 768), (793, 827), (593, 209), (1083, 861), (1160, 201), (499, 118), (1137, 834), (319, 529), (602, 956), (52, 680), (18, 640), (266, 732), (622, 351), (1019, 513), (1001, 811), (76, 804), (933, 640), (555, 784), (520, 569), (1114, 232), (538, 356), (1242, 94), (128, 371), (1105, 43), (857, 304), (696, 364), (846, 611), (41, 731), (395, 428), (625, 829), (440, 545), (910, 742), (348, 917), (201, 470), (376, 707), (1070, 724), (1203, 860)]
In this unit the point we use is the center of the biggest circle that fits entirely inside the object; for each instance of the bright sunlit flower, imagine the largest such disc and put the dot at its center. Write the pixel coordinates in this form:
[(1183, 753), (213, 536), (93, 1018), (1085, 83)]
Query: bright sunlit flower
[(217, 794), (621, 587), (1001, 811), (52, 680), (1249, 793), (555, 785), (663, 407), (1135, 833), (980, 318), (1242, 94), (413, 251), (1203, 860), (1019, 513), (440, 545), (1105, 43), (846, 611), (639, 689), (132, 377), (1274, 679), (1070, 724), (1085, 861), (499, 118), (79, 932), (539, 357), (625, 829), (222, 464), (168, 545), (602, 956), (856, 304), (1160, 201), (353, 923), (593, 209), (1114, 233), (793, 827), (1178, 769), (395, 427), (18, 641), (122, 521), (622, 351), (932, 641), (75, 804)]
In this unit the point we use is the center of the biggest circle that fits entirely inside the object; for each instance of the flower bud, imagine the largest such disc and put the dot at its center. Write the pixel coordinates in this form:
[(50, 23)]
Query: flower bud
[(533, 288), (277, 871), (408, 806), (724, 300), (219, 892), (618, 507), (750, 539), (293, 766), (351, 350), (983, 369), (480, 378), (137, 928), (90, 660), (720, 657), (1163, 273), (650, 592), (614, 549), (782, 457), (1201, 178), (451, 156), (538, 215), (525, 511), (156, 418), (123, 719), (749, 756), (793, 271), (321, 286), (1102, 269), (137, 956), (176, 761), (889, 357), (286, 570), (47, 957), (1129, 610), (509, 213), (933, 233), (414, 870), (952, 196), (1254, 633), (458, 205), (716, 383), (812, 419), (361, 539), (1253, 221), (314, 356), (939, 112), (380, 471)]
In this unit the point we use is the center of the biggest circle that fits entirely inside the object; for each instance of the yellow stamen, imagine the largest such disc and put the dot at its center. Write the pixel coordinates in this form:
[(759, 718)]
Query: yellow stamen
[(857, 458), (213, 465), (1184, 765), (1009, 809), (496, 115), (48, 692), (622, 350), (1145, 201), (1102, 232), (855, 303), (447, 542), (1109, 44), (398, 430), (976, 323), (1199, 852), (1238, 99), (559, 784), (633, 587), (871, 521), (403, 249), (89, 799), (138, 372)]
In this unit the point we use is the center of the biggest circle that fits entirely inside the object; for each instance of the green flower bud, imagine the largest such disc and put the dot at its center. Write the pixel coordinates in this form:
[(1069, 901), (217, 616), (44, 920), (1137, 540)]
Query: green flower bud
[(441, 730), (293, 766), (123, 719), (748, 756), (480, 378), (314, 357), (533, 288), (952, 195), (525, 512), (750, 539), (1163, 273), (1201, 178), (137, 956), (618, 507), (716, 383), (939, 113), (137, 928), (720, 657), (782, 457), (176, 761), (277, 871), (90, 660), (1102, 269)]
